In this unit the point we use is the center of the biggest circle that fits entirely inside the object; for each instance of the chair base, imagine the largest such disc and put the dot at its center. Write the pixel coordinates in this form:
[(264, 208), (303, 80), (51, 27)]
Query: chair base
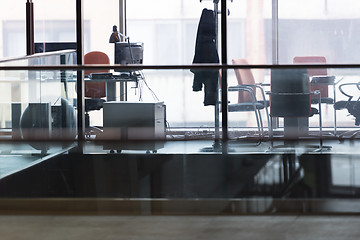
[(216, 147), (349, 135)]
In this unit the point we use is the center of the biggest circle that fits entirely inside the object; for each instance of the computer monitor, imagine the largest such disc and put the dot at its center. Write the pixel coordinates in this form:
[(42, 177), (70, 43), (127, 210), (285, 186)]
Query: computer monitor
[(123, 55), (53, 46), (42, 47)]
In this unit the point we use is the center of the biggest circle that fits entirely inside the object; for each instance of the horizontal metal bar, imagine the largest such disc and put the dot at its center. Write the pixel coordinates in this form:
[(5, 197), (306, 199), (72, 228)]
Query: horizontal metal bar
[(37, 55), (176, 67)]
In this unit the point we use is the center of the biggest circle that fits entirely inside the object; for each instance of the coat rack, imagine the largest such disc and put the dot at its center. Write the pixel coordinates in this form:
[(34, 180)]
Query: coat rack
[(216, 146)]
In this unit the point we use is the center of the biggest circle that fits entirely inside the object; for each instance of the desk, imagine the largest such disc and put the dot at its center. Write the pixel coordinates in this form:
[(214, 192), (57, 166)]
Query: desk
[(111, 80)]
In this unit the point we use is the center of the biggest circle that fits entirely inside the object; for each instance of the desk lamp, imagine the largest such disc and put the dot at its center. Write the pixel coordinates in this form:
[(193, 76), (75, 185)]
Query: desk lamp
[(115, 37)]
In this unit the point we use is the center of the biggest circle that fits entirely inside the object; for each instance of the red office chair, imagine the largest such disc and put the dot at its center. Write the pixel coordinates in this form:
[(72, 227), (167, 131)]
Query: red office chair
[(94, 91), (322, 87), (246, 78)]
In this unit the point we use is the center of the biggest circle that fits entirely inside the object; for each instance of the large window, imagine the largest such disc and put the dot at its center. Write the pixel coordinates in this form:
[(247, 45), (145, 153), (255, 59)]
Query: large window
[(168, 30), (322, 27)]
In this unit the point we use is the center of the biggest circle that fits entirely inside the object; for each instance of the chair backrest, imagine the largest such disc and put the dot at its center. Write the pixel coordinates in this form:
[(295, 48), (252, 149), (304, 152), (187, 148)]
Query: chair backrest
[(95, 89), (290, 93), (243, 76), (323, 88)]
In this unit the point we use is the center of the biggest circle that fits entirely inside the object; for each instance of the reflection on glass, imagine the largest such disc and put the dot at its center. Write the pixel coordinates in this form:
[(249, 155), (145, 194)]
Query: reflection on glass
[(345, 171), (38, 105)]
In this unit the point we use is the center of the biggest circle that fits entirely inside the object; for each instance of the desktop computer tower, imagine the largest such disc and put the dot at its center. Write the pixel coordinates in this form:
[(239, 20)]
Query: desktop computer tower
[(134, 125)]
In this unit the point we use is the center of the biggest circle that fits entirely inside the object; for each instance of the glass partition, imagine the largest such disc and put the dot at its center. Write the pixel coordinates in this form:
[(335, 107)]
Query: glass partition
[(38, 115)]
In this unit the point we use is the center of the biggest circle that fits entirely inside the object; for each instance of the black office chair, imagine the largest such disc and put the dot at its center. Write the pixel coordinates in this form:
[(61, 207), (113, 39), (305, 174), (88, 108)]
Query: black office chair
[(320, 79), (290, 98), (353, 107)]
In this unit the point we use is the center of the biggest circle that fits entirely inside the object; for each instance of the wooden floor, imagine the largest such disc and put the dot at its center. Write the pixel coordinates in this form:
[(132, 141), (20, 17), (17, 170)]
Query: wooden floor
[(57, 227)]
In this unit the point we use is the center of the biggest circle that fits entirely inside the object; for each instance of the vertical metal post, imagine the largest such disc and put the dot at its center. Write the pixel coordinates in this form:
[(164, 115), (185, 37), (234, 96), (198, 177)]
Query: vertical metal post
[(224, 94), (275, 32), (122, 29), (320, 119), (80, 73), (217, 107), (30, 48), (334, 93), (122, 18), (275, 47)]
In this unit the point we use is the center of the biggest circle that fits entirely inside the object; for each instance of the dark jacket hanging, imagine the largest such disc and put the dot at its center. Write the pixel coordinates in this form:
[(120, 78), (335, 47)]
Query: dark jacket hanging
[(206, 52)]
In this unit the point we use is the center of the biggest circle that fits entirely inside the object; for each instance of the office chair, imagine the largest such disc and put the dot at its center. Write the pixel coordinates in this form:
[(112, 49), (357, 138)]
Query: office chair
[(353, 107), (94, 91), (320, 80), (247, 100), (290, 98), (316, 85)]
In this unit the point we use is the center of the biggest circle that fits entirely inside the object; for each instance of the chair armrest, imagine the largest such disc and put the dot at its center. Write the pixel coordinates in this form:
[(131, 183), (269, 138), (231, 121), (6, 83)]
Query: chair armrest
[(340, 78), (322, 80), (348, 84), (289, 94), (234, 88), (244, 88)]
